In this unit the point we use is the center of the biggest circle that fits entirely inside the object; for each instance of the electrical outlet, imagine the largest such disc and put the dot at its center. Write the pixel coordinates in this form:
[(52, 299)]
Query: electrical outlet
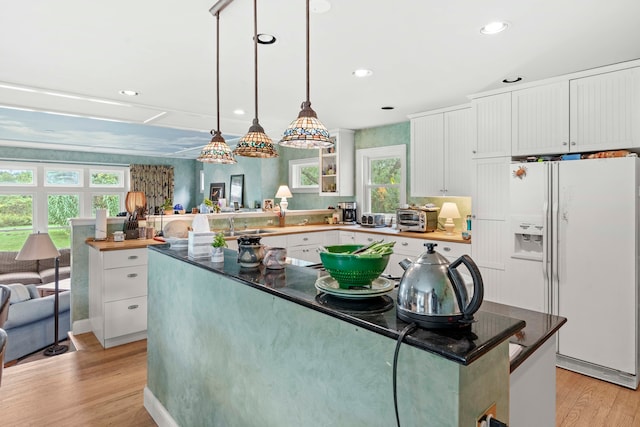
[(491, 410)]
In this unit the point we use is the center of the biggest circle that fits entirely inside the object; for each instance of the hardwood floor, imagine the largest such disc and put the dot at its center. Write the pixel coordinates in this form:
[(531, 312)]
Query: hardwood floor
[(97, 387), (584, 401), (88, 387)]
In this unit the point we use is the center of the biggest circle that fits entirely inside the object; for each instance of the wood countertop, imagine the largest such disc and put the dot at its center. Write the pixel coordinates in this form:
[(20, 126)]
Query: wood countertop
[(110, 245), (384, 231)]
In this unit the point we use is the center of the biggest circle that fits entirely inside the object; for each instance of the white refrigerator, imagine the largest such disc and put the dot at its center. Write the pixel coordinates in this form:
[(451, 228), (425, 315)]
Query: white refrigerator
[(574, 253)]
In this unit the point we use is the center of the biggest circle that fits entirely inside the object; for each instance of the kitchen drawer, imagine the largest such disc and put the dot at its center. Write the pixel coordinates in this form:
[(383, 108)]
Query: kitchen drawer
[(124, 258), (125, 317), (122, 283), (305, 239), (409, 247), (451, 250)]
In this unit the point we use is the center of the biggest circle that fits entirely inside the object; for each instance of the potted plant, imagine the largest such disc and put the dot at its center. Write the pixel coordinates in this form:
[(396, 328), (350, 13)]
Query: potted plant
[(167, 206), (217, 254), (206, 206)]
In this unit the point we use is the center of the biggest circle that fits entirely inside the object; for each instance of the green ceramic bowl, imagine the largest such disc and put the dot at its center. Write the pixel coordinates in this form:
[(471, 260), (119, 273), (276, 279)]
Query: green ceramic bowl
[(352, 270)]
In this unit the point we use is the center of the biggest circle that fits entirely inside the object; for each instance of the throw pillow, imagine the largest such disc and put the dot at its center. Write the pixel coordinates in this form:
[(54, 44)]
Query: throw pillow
[(19, 293)]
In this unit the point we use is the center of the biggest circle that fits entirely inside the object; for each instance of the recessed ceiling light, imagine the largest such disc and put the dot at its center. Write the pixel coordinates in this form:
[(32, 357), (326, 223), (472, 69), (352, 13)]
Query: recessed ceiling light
[(238, 112), (494, 27), (319, 6), (362, 72), (128, 92), (388, 107), (266, 39), (513, 79)]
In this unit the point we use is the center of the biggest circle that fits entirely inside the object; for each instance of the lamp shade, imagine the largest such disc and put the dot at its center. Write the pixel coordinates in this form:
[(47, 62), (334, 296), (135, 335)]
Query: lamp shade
[(449, 210), (135, 200), (283, 191), (38, 246)]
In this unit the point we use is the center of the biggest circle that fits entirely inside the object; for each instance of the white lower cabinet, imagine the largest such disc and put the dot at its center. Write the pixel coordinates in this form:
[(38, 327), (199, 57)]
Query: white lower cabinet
[(304, 246), (118, 295)]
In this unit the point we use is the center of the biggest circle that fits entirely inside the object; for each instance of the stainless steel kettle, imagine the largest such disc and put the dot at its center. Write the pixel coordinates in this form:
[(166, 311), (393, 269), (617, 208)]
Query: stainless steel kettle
[(432, 292)]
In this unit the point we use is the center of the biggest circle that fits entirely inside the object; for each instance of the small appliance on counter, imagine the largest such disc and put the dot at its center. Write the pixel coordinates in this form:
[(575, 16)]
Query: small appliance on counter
[(349, 214), (420, 219), (374, 220), (432, 293)]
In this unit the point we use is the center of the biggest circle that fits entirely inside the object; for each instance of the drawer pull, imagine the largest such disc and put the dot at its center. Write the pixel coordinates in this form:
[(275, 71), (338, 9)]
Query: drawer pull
[(132, 275), (133, 256), (446, 249), (304, 239), (133, 307), (369, 239), (405, 244)]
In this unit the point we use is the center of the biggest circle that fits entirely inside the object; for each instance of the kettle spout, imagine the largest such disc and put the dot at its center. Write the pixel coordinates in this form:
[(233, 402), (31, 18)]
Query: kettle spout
[(405, 263)]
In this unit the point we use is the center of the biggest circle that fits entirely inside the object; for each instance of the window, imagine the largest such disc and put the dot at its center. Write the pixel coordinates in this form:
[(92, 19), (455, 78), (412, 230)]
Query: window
[(106, 178), (15, 177), (381, 176), (304, 175), (43, 196)]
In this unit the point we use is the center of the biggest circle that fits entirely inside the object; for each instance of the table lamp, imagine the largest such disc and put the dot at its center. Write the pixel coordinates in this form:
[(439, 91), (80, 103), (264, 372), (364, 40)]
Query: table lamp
[(39, 246), (449, 211), (283, 192)]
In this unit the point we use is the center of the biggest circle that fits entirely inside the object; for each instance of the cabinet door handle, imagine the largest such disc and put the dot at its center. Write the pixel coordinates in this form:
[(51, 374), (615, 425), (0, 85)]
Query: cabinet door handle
[(369, 239), (446, 249), (573, 143), (404, 244), (304, 239), (474, 151), (564, 143), (132, 275), (133, 307), (133, 256)]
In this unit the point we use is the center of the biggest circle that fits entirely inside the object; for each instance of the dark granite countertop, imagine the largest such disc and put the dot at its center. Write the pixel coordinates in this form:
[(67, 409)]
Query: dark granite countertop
[(296, 283)]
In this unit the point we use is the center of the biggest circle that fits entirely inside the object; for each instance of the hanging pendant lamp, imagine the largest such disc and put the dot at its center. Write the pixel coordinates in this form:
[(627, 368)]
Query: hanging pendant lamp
[(217, 151), (255, 143), (306, 131)]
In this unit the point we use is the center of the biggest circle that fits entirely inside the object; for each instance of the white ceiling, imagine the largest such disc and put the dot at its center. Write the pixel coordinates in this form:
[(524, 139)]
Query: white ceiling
[(425, 54)]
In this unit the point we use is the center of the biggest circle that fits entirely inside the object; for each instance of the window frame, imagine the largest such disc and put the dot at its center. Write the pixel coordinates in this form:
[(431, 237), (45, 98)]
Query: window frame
[(364, 156), (13, 166), (295, 167)]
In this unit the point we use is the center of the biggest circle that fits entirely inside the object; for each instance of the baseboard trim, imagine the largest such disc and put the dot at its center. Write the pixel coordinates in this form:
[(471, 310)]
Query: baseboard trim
[(157, 411), (596, 371), (81, 326)]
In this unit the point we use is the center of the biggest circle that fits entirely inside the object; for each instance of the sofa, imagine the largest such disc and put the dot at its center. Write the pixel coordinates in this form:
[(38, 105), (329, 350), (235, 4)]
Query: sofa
[(30, 323), (33, 272)]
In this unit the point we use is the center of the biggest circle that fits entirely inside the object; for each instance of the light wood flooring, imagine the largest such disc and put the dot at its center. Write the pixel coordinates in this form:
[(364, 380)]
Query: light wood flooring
[(97, 387)]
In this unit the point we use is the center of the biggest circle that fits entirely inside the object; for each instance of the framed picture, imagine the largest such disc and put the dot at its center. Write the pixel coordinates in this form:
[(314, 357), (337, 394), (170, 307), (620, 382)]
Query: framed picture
[(216, 191), (236, 190), (267, 204)]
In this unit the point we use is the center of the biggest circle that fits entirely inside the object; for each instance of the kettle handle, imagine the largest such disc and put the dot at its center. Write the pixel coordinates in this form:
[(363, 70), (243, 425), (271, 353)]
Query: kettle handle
[(460, 289)]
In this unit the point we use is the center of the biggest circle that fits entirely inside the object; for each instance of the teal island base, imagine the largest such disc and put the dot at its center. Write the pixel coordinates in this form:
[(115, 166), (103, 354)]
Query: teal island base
[(223, 352)]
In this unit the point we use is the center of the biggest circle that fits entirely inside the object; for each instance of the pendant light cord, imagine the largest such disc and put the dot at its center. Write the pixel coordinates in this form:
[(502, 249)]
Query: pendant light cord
[(218, 69), (308, 68), (255, 54)]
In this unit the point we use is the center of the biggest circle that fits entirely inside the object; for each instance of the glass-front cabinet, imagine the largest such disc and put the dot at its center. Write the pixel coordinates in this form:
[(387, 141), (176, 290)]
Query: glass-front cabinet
[(337, 165)]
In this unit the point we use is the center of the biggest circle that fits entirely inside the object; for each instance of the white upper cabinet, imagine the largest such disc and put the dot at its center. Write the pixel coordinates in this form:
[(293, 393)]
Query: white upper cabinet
[(605, 111), (594, 113), (492, 123), (337, 165), (441, 153), (540, 120)]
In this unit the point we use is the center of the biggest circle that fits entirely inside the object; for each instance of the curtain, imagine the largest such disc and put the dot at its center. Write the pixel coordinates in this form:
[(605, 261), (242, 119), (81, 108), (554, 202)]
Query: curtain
[(155, 181)]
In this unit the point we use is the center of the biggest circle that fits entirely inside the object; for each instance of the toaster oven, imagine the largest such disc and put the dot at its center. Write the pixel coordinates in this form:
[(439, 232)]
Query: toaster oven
[(421, 220)]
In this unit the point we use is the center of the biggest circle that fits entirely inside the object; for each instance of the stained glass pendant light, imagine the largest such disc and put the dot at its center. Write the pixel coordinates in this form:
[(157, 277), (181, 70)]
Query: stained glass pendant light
[(255, 143), (306, 131), (217, 151)]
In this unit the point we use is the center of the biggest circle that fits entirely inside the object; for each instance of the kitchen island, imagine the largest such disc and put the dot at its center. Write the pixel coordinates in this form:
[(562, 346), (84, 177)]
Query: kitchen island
[(235, 346)]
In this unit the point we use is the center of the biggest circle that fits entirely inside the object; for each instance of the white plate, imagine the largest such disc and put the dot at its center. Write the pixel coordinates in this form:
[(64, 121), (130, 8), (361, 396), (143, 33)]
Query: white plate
[(379, 286)]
